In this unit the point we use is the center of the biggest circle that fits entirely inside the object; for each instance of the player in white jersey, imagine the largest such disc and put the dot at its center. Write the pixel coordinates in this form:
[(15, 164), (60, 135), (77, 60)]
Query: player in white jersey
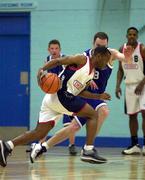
[(76, 76), (134, 78)]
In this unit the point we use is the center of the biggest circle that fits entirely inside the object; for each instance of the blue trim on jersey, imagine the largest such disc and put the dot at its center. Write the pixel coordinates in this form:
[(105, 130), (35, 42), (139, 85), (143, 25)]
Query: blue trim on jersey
[(67, 119)]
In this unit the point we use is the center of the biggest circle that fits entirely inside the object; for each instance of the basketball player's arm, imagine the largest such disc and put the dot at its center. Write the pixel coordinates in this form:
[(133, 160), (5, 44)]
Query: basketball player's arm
[(67, 60), (120, 75), (89, 95), (125, 57)]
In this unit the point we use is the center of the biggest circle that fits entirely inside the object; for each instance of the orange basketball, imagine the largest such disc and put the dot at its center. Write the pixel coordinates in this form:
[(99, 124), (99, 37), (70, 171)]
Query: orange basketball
[(50, 83)]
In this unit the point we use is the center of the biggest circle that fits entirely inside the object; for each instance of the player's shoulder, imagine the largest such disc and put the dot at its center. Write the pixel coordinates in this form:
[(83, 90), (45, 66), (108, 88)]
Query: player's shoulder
[(88, 52), (142, 46)]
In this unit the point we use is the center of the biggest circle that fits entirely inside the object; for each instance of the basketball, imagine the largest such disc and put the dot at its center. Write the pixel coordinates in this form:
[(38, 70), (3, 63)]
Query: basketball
[(50, 83)]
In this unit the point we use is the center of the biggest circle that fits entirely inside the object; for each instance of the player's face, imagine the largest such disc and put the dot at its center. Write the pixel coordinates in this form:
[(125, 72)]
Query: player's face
[(100, 42), (54, 50), (100, 61), (132, 37)]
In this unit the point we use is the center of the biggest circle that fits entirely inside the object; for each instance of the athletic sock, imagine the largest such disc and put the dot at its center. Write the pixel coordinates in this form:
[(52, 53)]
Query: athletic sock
[(134, 140), (11, 145), (88, 147), (144, 140), (45, 145)]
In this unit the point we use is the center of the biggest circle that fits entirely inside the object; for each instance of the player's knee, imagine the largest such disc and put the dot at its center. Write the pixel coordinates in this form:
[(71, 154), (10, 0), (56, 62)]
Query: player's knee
[(104, 111), (74, 127)]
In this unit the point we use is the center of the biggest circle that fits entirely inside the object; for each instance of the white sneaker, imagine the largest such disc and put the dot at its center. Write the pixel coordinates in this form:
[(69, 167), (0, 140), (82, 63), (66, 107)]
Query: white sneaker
[(132, 150), (35, 152), (143, 150)]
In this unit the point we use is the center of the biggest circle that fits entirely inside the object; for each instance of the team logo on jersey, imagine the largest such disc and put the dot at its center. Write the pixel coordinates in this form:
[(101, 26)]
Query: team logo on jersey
[(136, 58), (77, 84), (130, 66)]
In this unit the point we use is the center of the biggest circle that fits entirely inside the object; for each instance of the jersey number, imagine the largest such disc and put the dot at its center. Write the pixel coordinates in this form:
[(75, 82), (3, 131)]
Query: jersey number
[(96, 76)]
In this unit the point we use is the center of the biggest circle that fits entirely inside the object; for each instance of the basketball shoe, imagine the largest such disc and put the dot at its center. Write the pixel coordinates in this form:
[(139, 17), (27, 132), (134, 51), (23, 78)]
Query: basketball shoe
[(72, 150), (143, 150), (31, 147), (37, 151), (92, 156), (4, 152), (132, 150)]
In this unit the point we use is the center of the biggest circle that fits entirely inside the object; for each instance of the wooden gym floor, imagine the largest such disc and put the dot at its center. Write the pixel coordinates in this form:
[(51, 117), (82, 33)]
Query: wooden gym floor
[(56, 164)]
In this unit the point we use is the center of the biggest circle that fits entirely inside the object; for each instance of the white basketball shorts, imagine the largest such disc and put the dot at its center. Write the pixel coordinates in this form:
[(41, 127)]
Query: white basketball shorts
[(134, 103), (52, 109)]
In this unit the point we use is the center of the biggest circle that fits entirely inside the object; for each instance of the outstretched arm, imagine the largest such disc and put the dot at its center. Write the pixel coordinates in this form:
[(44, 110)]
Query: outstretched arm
[(126, 56), (67, 60)]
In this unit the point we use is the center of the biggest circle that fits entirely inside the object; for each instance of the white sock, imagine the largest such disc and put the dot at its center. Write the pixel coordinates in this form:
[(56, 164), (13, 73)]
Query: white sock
[(45, 145), (10, 143), (88, 147)]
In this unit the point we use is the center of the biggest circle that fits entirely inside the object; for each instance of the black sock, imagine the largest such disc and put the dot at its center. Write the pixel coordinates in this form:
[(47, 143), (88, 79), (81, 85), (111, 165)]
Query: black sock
[(144, 140), (134, 140)]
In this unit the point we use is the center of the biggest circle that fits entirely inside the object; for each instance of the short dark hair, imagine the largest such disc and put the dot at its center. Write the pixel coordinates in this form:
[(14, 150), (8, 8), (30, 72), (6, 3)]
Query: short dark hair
[(101, 50), (54, 41), (100, 35), (132, 28)]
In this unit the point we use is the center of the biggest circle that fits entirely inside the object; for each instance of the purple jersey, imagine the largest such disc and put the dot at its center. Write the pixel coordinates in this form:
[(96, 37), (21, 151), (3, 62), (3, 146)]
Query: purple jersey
[(100, 78), (57, 69)]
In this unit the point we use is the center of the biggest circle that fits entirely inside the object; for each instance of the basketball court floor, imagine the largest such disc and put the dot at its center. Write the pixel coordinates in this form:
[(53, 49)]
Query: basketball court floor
[(58, 165)]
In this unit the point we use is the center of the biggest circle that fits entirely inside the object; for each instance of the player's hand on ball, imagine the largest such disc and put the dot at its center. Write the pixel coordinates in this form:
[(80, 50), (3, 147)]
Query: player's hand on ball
[(40, 74)]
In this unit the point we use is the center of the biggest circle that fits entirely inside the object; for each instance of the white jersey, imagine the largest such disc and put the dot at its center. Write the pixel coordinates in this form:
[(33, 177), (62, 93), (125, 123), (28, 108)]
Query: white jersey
[(134, 72), (74, 80)]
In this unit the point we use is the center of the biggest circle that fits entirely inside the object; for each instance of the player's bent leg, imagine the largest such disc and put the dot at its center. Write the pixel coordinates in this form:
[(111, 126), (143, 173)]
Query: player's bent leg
[(36, 151), (103, 113), (38, 133), (74, 128), (89, 153), (63, 134), (59, 136), (72, 148)]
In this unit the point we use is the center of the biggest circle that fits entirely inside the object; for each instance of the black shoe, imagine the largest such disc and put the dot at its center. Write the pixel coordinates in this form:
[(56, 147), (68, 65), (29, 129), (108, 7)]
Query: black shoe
[(72, 150), (4, 152), (91, 156)]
